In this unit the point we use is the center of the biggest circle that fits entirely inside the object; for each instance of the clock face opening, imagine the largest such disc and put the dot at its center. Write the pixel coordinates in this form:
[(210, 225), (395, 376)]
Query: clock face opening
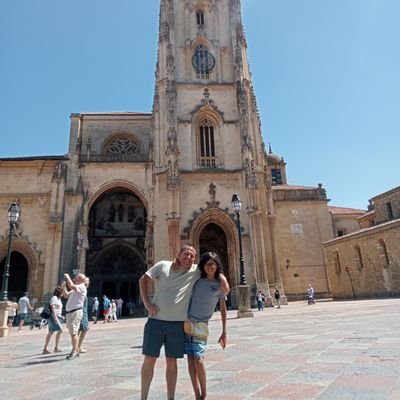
[(203, 62)]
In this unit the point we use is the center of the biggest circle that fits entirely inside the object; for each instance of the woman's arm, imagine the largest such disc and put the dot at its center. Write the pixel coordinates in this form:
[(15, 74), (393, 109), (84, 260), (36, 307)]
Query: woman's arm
[(223, 339), (224, 285)]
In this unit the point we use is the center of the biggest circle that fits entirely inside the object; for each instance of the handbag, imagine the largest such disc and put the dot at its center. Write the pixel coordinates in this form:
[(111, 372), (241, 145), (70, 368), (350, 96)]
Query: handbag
[(198, 330), (46, 313)]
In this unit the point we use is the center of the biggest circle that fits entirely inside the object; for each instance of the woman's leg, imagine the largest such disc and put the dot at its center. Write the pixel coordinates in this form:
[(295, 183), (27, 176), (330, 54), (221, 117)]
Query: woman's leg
[(82, 335), (193, 376), (201, 375), (46, 342), (58, 336)]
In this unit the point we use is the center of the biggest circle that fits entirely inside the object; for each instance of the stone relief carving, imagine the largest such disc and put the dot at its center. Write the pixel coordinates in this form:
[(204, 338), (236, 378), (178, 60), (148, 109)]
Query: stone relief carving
[(212, 191), (60, 173), (171, 100), (170, 61), (207, 102), (173, 175), (172, 140), (251, 177)]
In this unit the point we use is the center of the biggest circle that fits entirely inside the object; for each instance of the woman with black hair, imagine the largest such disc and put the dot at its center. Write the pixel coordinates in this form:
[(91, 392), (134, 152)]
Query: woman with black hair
[(205, 296)]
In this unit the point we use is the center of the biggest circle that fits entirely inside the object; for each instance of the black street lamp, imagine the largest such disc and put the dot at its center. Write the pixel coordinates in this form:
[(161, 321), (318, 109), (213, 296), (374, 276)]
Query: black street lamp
[(237, 206), (14, 213)]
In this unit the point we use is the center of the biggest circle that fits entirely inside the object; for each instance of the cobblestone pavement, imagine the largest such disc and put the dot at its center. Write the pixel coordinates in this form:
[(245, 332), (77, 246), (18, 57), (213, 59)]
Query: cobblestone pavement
[(328, 351)]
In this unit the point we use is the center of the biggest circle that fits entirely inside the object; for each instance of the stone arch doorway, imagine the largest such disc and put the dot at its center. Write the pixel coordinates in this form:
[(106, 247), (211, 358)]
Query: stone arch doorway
[(18, 279), (116, 256), (213, 238)]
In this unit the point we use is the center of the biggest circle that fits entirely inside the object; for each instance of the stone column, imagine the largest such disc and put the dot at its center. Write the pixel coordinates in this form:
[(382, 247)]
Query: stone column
[(244, 310), (4, 308)]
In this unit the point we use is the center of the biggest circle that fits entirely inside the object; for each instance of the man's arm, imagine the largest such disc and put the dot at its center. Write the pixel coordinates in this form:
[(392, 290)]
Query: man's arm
[(224, 285), (70, 283), (144, 284)]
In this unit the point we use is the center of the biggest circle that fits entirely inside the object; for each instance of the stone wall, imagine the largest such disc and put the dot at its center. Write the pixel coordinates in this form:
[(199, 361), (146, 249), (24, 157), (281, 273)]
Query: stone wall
[(371, 257)]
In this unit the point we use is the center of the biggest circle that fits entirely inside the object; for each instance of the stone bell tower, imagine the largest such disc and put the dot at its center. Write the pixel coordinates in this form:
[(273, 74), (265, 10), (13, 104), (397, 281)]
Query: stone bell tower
[(207, 135)]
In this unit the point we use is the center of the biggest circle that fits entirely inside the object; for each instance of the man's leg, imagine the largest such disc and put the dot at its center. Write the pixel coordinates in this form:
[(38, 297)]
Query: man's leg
[(21, 322), (171, 376), (147, 375)]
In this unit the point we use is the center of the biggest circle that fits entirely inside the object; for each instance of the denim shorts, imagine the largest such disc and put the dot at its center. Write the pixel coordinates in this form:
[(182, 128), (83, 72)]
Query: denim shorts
[(163, 333), (195, 347)]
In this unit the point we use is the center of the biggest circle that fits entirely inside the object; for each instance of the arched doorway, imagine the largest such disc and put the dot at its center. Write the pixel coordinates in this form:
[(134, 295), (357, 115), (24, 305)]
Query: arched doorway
[(18, 279), (116, 256), (213, 238)]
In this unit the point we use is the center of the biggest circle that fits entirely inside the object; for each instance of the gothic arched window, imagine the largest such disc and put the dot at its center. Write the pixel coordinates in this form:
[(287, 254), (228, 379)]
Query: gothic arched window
[(207, 144), (200, 18), (358, 258), (383, 254)]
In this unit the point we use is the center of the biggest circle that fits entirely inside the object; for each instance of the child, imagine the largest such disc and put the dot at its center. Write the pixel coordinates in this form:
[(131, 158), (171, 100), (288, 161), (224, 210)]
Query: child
[(205, 295)]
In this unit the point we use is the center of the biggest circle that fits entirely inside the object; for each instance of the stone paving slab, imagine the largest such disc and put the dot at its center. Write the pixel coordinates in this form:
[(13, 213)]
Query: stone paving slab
[(328, 351)]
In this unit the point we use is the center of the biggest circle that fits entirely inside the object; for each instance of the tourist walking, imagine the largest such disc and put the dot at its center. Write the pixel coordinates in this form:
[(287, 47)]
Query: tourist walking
[(260, 300), (56, 307), (84, 324), (76, 297), (277, 296), (95, 310), (12, 313), (24, 307), (310, 295)]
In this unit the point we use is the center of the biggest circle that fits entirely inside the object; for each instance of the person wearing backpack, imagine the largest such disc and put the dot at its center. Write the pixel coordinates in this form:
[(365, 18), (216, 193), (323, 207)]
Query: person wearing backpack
[(54, 321)]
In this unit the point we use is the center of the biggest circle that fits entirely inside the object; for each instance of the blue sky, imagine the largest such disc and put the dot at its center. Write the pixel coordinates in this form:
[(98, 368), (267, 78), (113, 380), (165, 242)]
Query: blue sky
[(326, 76)]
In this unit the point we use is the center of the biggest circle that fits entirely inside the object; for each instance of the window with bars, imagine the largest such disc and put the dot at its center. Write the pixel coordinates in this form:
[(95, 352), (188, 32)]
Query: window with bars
[(276, 175), (207, 145)]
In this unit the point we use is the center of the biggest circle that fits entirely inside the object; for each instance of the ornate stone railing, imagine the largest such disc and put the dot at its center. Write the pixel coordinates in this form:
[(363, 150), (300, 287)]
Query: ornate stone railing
[(109, 158)]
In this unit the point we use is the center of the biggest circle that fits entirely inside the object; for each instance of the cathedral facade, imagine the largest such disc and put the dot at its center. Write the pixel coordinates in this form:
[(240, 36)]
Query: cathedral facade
[(133, 187)]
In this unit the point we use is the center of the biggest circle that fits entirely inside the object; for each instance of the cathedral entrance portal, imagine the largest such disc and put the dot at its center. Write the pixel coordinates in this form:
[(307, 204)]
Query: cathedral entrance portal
[(116, 273), (116, 257)]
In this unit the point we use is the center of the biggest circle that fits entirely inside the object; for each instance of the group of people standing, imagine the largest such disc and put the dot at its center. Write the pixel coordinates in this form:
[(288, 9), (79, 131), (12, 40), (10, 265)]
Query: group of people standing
[(260, 297)]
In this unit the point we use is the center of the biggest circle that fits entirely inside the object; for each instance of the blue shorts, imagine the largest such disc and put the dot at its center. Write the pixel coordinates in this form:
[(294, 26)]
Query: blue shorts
[(22, 316), (195, 347), (54, 326), (163, 333)]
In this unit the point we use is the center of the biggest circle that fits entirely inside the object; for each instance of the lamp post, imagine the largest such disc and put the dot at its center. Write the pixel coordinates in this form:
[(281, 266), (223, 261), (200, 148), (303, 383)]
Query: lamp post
[(244, 310), (14, 213), (237, 206)]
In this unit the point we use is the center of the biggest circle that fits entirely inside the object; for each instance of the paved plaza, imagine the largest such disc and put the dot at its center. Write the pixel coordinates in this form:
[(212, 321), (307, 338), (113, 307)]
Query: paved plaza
[(328, 351)]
